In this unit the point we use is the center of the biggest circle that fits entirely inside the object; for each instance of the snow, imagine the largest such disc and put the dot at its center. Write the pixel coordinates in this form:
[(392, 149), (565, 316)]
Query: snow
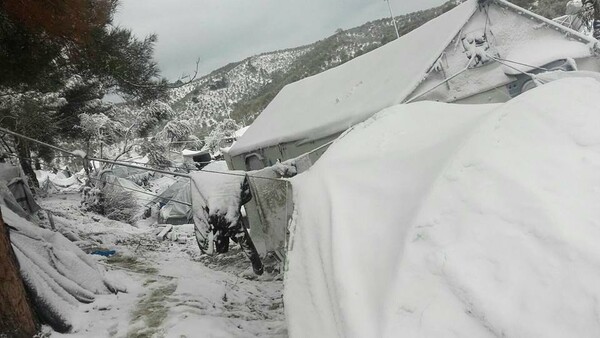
[(172, 289), (539, 53), (57, 273), (191, 153), (220, 193), (58, 181), (433, 220), (240, 132), (557, 75), (334, 100), (80, 153)]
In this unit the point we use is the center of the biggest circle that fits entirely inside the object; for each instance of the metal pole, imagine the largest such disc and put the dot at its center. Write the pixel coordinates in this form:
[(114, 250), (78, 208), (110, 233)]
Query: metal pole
[(393, 19)]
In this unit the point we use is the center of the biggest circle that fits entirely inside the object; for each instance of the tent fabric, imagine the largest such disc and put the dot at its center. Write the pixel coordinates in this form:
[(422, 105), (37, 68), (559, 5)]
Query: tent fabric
[(172, 190), (215, 195), (330, 102), (427, 222), (58, 275), (23, 195), (274, 203), (15, 191), (174, 212), (132, 174), (171, 210), (50, 182), (8, 172), (7, 198), (334, 100), (141, 195)]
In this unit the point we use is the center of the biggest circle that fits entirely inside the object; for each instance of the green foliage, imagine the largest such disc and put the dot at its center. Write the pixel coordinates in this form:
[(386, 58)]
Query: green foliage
[(121, 61), (39, 51), (68, 50)]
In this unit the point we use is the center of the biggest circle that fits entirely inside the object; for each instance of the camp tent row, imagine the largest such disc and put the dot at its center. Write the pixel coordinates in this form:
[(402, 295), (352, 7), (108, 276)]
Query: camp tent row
[(474, 53), (478, 52)]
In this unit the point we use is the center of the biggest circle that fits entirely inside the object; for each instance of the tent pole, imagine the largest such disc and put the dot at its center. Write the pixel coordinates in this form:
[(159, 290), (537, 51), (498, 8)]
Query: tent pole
[(393, 20)]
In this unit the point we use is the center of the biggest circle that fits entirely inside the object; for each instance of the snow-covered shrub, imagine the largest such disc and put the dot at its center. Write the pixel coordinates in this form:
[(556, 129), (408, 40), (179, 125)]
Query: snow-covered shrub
[(100, 127), (175, 130), (222, 131), (115, 205), (119, 205), (157, 153), (92, 200)]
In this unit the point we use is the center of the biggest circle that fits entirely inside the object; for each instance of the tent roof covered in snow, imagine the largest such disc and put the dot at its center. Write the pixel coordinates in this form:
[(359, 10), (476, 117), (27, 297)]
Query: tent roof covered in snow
[(176, 202), (119, 184), (484, 223), (332, 101)]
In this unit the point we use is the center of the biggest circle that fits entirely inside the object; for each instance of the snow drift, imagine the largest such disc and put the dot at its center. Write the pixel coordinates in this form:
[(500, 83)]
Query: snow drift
[(433, 220)]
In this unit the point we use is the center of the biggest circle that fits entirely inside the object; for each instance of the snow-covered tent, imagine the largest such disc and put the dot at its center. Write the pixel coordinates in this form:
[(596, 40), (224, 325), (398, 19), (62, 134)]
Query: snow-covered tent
[(59, 182), (175, 203), (21, 199), (138, 176), (119, 184), (198, 158), (57, 274), (431, 219), (474, 53)]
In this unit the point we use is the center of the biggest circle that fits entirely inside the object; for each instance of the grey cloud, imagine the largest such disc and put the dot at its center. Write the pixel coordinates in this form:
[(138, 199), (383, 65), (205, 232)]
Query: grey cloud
[(223, 31)]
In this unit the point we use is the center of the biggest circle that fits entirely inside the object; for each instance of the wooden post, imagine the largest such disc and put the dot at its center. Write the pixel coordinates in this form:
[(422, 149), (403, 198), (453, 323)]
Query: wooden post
[(51, 220), (16, 315)]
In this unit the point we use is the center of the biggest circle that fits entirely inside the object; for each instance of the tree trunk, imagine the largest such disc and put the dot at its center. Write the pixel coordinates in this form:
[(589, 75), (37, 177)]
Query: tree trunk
[(25, 161), (16, 314)]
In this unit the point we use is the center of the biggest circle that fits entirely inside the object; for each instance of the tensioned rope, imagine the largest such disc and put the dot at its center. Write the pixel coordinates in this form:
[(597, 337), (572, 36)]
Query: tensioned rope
[(126, 164), (141, 191)]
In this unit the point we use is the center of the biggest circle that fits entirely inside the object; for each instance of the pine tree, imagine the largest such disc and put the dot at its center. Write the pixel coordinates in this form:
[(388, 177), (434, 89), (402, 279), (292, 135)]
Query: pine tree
[(68, 48)]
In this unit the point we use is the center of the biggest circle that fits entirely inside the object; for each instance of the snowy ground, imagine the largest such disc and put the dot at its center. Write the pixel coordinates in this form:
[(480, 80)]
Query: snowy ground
[(173, 290)]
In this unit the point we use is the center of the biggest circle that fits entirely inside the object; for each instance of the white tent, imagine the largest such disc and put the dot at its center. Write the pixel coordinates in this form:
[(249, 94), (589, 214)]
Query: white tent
[(432, 219), (433, 62), (141, 195), (175, 203), (57, 274)]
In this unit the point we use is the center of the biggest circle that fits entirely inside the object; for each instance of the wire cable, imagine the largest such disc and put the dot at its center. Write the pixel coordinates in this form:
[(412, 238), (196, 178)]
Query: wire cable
[(140, 191), (126, 164)]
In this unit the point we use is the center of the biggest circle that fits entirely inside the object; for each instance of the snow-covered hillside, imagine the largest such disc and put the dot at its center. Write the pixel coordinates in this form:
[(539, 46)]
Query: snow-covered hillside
[(242, 90), (437, 220), (212, 97)]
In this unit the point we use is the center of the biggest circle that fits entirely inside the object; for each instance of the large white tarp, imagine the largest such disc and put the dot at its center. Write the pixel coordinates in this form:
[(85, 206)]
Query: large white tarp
[(437, 220), (58, 275), (334, 100)]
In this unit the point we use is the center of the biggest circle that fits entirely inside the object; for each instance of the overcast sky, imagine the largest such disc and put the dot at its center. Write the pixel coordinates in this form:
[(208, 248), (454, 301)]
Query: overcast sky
[(223, 31)]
